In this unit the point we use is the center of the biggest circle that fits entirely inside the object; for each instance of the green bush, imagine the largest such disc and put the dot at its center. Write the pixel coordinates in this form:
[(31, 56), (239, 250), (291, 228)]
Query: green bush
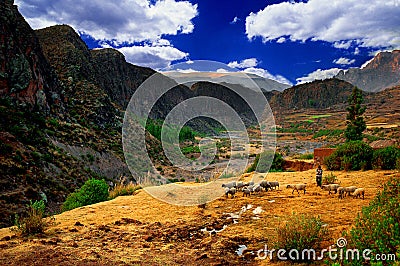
[(329, 179), (301, 232), (33, 223), (385, 158), (93, 191), (377, 228), (352, 155), (263, 161)]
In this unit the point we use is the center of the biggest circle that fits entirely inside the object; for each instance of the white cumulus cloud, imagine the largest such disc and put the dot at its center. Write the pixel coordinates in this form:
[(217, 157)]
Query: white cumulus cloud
[(344, 61), (250, 62), (156, 57), (120, 23), (368, 23), (124, 21), (265, 74), (319, 74)]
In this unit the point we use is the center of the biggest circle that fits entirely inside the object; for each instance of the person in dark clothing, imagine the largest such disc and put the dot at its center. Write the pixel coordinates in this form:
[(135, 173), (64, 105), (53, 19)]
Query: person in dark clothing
[(319, 176)]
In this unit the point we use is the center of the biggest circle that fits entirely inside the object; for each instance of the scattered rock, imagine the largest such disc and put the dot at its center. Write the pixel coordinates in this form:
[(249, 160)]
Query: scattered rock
[(79, 224), (202, 256), (6, 238)]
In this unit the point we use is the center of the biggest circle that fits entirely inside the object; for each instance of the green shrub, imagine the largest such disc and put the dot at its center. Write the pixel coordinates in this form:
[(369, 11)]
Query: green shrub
[(33, 223), (263, 161), (377, 228), (352, 155), (5, 148), (385, 158), (329, 179), (301, 232), (93, 191), (306, 156)]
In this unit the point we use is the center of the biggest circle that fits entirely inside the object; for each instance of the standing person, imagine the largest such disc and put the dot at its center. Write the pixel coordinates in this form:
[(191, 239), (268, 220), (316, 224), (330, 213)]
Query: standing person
[(319, 176)]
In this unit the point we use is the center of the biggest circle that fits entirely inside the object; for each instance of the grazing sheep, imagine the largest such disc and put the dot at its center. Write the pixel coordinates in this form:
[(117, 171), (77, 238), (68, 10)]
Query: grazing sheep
[(230, 184), (251, 183), (257, 188), (340, 191), (246, 192), (330, 187), (240, 185), (297, 187), (274, 184), (231, 191), (265, 184), (349, 190), (358, 192)]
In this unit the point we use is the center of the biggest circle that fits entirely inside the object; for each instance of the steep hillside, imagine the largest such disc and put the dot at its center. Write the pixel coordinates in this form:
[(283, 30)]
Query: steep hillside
[(25, 74), (382, 72), (317, 95)]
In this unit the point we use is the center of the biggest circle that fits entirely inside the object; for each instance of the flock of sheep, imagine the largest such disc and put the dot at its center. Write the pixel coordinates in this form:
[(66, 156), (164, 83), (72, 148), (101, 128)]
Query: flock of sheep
[(248, 188)]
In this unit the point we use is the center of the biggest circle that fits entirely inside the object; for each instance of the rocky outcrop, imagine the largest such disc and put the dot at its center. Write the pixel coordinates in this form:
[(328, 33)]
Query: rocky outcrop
[(25, 74), (117, 77), (382, 72)]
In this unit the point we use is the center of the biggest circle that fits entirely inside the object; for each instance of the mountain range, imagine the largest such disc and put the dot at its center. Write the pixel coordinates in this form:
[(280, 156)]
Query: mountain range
[(62, 107)]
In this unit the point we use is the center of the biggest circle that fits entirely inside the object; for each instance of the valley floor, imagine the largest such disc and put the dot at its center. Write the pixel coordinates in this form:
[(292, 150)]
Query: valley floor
[(140, 230)]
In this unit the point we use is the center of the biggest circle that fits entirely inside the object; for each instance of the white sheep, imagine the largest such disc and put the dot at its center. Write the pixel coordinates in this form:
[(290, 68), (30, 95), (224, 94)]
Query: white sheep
[(358, 192), (246, 192), (349, 190), (265, 184), (230, 184), (274, 184), (257, 188), (240, 185), (231, 191), (330, 187), (340, 191), (297, 187)]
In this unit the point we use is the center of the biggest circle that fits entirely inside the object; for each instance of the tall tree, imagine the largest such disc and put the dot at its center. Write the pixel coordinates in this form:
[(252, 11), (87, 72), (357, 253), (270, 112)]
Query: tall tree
[(355, 120)]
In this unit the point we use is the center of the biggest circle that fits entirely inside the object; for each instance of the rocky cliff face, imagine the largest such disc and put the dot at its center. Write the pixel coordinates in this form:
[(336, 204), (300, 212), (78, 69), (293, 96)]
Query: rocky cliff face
[(382, 72), (117, 77), (25, 74)]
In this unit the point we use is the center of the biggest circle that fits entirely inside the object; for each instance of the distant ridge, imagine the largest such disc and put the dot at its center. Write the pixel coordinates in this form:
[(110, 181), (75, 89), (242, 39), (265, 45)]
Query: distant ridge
[(382, 72), (238, 78)]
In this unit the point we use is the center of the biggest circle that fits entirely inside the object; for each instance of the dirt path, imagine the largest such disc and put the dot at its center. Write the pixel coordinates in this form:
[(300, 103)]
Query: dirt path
[(139, 230)]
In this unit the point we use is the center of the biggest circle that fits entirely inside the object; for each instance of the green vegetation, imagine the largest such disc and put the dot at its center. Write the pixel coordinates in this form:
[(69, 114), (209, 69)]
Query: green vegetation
[(357, 155), (190, 149), (263, 161), (33, 223), (385, 158), (329, 179), (306, 156), (154, 127), (378, 227), (352, 155), (355, 120), (93, 191), (328, 133), (301, 232)]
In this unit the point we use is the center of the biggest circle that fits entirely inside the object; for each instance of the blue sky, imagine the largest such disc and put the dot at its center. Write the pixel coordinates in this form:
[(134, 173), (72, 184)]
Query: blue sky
[(289, 41)]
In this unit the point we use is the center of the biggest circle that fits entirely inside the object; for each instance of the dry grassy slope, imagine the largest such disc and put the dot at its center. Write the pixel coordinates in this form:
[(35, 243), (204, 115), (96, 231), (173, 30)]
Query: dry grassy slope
[(139, 230)]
